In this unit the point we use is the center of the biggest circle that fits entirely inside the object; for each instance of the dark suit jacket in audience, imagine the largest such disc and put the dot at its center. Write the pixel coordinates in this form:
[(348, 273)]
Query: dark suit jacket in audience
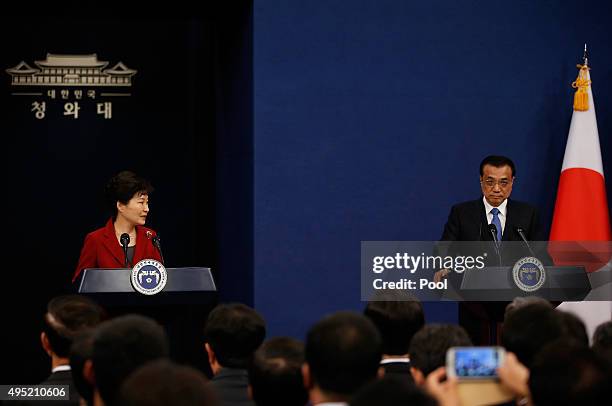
[(397, 369), (231, 387)]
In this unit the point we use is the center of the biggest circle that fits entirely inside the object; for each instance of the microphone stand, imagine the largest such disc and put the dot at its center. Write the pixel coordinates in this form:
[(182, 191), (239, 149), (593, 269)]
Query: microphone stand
[(125, 241), (521, 233), (157, 244), (493, 230)]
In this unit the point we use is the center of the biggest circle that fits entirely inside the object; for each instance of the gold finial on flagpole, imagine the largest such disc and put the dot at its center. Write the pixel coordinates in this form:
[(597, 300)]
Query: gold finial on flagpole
[(581, 84)]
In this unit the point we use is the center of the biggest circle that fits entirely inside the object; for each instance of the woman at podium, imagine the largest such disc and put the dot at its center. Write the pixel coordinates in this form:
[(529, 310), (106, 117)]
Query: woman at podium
[(124, 240)]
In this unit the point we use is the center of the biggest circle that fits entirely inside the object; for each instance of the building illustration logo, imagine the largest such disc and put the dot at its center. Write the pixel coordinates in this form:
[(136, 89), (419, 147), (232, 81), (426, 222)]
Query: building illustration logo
[(71, 70), (79, 81)]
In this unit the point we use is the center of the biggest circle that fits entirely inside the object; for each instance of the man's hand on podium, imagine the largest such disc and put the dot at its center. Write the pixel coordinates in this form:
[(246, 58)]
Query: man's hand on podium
[(441, 274)]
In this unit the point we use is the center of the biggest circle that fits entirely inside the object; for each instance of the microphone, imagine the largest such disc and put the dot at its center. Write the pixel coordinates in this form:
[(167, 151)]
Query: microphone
[(521, 232), (125, 241), (493, 230), (157, 244)]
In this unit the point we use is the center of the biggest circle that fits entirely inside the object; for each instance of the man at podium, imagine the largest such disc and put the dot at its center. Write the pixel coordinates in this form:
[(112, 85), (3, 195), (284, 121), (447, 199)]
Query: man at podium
[(470, 221), (495, 218), (124, 240)]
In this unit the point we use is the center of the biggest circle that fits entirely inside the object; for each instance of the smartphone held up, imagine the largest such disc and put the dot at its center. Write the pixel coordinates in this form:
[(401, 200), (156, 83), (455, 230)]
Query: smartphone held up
[(474, 363)]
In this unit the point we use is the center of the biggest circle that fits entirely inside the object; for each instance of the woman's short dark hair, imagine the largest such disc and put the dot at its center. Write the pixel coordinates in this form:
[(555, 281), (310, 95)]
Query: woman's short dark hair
[(122, 187)]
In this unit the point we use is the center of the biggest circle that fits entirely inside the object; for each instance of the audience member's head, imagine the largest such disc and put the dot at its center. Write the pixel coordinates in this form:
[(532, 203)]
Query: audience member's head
[(574, 328), (275, 374), (164, 383), (343, 351), (392, 391), (567, 373), (80, 353), (232, 333), (520, 301), (398, 317), (122, 345), (603, 335), (66, 317), (529, 328), (429, 345), (602, 340)]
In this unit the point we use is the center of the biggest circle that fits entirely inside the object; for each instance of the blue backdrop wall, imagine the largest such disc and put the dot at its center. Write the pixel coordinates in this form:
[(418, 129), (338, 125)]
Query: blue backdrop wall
[(371, 117)]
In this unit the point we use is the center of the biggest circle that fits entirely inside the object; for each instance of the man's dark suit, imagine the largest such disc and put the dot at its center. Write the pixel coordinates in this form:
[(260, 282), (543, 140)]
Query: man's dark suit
[(398, 370), (231, 385), (468, 222)]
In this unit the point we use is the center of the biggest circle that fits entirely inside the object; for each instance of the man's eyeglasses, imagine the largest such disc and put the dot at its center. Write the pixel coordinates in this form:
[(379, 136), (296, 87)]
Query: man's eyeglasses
[(503, 183)]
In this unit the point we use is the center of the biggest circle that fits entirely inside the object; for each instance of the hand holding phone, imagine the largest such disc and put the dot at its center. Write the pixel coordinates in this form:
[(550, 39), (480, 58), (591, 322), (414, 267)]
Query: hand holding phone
[(514, 375), (474, 363)]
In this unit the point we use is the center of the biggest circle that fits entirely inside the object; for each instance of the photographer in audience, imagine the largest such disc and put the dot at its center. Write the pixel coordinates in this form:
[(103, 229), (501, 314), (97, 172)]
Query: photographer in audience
[(429, 345)]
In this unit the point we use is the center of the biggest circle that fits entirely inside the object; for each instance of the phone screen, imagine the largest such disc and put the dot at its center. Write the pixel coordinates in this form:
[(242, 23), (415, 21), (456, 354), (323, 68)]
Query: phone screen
[(477, 362)]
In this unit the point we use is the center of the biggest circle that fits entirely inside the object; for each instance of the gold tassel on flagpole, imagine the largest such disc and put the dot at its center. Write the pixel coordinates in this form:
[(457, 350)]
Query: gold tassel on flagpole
[(581, 97)]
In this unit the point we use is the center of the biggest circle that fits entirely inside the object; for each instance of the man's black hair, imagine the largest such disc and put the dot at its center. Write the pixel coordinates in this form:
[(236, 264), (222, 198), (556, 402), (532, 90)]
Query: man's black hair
[(529, 328), (343, 352), (397, 318), (122, 187), (122, 345), (392, 391), (568, 373), (602, 340), (66, 317), (497, 161), (603, 335), (574, 327), (429, 345), (234, 332), (81, 351), (275, 374), (164, 383), (521, 301)]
